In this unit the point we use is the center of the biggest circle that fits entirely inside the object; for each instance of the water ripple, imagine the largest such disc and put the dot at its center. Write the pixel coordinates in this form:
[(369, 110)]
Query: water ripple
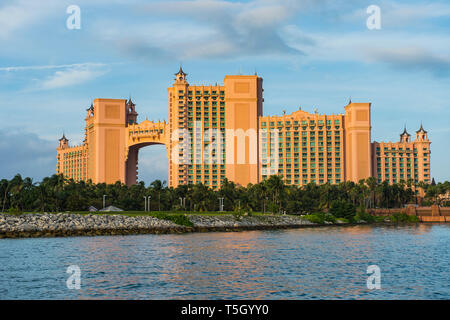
[(312, 263)]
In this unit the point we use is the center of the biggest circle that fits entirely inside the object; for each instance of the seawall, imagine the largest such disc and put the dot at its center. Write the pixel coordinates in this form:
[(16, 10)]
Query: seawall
[(64, 225)]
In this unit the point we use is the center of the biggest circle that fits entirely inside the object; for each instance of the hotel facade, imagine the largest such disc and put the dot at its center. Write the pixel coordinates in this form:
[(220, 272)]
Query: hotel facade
[(219, 131)]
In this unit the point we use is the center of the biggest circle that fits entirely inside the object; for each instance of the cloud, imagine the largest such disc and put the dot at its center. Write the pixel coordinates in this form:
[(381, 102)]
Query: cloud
[(412, 59), (23, 13), (71, 76), (27, 154), (398, 50), (204, 29), (51, 66), (153, 164)]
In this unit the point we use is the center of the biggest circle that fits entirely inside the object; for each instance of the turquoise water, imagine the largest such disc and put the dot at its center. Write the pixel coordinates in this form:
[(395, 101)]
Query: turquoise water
[(315, 263)]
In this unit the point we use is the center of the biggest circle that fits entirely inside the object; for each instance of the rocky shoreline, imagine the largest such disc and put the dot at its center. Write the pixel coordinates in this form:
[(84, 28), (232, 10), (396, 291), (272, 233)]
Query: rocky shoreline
[(64, 224)]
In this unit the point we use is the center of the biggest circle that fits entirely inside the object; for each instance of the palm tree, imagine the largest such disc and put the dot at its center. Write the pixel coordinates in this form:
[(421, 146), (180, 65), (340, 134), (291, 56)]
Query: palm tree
[(4, 186), (276, 187), (158, 187), (372, 184)]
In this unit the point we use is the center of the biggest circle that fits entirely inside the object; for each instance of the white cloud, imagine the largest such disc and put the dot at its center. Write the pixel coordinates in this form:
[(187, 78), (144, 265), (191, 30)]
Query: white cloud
[(70, 77), (26, 153), (203, 29), (401, 50), (52, 66), (23, 13)]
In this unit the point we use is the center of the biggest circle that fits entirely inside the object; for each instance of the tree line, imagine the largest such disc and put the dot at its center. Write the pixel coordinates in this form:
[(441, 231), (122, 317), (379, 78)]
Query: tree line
[(57, 194)]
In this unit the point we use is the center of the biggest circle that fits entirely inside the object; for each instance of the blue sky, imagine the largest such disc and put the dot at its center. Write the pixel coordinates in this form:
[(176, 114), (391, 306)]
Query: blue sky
[(310, 53)]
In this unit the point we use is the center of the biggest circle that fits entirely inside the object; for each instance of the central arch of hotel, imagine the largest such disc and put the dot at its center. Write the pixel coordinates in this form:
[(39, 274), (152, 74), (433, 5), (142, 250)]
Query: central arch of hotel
[(141, 135)]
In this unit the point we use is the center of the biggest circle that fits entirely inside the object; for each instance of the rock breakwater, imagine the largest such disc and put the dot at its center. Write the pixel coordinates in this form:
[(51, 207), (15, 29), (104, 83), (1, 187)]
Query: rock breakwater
[(65, 224)]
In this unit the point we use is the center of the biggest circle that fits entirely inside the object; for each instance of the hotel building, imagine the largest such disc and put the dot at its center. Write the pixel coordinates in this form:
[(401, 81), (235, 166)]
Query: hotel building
[(219, 131)]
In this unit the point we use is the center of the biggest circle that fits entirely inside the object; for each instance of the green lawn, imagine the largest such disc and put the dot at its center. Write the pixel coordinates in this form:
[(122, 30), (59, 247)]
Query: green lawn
[(154, 213)]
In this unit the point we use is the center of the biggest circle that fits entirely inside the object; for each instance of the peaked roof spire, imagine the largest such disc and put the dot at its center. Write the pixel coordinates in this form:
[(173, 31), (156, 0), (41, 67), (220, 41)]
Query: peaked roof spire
[(130, 102), (404, 131), (63, 137), (421, 129), (181, 71)]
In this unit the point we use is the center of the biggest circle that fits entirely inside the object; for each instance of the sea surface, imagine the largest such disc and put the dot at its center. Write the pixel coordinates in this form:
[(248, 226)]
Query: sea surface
[(308, 263)]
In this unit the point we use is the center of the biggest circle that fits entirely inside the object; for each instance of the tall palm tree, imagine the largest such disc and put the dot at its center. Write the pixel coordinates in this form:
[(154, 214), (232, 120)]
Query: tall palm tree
[(158, 187), (372, 184)]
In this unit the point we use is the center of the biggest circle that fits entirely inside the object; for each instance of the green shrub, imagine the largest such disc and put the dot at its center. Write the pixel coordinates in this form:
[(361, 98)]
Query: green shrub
[(314, 218), (330, 218), (363, 215), (379, 218), (320, 218), (14, 211), (179, 219), (343, 220), (403, 217), (343, 209), (238, 215)]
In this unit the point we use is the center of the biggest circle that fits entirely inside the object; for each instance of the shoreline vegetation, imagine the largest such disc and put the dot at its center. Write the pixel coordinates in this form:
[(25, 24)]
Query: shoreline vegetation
[(59, 207), (30, 225), (58, 194)]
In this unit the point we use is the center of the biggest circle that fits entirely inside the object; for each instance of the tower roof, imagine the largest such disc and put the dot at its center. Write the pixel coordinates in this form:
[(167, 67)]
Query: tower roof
[(421, 129), (63, 138), (130, 102), (90, 108), (405, 132), (181, 72)]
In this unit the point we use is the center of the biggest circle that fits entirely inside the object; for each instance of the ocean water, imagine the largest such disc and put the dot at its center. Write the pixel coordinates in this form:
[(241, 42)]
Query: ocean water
[(309, 263)]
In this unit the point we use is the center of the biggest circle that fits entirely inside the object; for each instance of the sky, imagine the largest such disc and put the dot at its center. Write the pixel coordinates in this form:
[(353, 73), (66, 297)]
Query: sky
[(310, 53)]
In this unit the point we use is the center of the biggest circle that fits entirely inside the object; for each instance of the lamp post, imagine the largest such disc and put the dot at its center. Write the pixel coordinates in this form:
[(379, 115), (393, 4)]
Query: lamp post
[(148, 203), (145, 203), (104, 196), (264, 205), (183, 202)]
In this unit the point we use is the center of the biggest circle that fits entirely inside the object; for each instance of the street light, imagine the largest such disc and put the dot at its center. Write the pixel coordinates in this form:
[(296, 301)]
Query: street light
[(264, 205), (183, 202), (221, 204)]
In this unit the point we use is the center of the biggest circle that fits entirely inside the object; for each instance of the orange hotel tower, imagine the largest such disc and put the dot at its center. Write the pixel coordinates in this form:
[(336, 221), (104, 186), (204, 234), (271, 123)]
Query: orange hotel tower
[(219, 131)]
